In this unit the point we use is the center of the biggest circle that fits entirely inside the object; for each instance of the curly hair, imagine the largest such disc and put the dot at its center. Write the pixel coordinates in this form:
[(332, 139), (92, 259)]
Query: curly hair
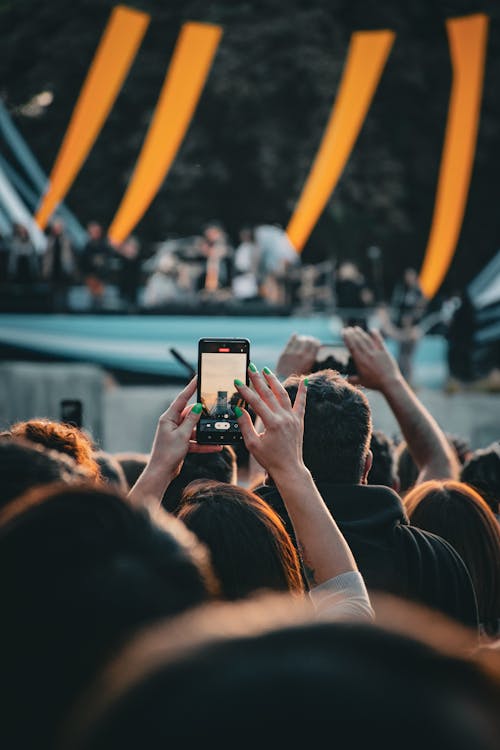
[(60, 437)]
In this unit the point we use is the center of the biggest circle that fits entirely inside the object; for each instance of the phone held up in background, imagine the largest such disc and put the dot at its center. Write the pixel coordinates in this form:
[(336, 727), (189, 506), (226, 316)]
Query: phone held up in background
[(71, 412), (220, 362), (334, 357)]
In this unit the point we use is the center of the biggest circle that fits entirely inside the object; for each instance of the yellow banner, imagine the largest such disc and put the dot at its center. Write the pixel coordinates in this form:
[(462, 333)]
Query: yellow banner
[(368, 52), (184, 82), (467, 38), (115, 54)]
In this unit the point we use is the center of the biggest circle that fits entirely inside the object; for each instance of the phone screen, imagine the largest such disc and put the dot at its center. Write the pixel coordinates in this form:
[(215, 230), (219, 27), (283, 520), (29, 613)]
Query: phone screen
[(71, 412), (220, 362)]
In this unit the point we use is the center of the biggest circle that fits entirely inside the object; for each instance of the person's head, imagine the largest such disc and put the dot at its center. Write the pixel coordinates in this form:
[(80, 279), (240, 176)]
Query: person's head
[(57, 227), (219, 467), (411, 277), (25, 465), (461, 445), (337, 428), (61, 437), (406, 467), (457, 513), (258, 673), (111, 471), (133, 464), (249, 546), (482, 471), (383, 469), (247, 234), (20, 231), (213, 231), (80, 570), (94, 230)]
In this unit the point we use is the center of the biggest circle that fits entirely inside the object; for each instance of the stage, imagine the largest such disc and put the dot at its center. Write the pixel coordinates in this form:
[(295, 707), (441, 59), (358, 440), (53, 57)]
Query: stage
[(135, 348)]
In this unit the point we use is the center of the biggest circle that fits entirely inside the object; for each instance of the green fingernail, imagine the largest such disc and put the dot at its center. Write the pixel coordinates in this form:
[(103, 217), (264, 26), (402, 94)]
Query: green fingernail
[(306, 382), (267, 371), (252, 367), (238, 382), (197, 408), (237, 411)]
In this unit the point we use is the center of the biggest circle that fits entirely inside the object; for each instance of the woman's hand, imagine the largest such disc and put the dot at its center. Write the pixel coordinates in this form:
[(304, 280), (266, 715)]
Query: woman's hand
[(278, 448)]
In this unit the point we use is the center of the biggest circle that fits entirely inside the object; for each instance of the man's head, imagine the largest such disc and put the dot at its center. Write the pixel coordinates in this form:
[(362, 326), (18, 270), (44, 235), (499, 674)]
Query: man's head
[(337, 428), (383, 470), (94, 230), (482, 471)]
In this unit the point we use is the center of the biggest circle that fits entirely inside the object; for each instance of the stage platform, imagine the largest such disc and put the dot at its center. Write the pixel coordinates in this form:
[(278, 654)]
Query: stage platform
[(136, 348)]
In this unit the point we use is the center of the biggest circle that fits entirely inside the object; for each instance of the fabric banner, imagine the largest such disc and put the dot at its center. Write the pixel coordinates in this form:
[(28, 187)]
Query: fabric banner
[(467, 39), (184, 82), (112, 61), (368, 52)]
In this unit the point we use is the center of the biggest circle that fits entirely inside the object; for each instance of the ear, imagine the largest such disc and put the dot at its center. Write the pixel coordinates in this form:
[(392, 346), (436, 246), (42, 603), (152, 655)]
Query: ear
[(367, 467)]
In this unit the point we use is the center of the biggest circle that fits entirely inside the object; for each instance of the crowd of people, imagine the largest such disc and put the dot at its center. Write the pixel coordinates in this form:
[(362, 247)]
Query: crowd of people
[(320, 581), (262, 266)]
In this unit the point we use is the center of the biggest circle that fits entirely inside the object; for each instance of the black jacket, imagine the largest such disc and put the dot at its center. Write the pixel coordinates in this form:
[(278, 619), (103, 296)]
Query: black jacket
[(393, 556)]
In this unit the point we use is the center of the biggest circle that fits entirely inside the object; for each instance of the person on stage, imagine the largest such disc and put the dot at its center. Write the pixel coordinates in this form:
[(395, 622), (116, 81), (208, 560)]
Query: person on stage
[(58, 264), (95, 263)]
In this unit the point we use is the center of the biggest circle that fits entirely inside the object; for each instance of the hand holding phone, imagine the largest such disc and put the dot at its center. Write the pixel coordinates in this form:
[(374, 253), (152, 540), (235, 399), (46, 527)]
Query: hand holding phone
[(71, 412), (221, 361)]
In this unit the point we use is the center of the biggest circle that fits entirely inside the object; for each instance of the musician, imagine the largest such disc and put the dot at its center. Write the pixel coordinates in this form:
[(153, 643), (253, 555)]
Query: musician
[(219, 254), (408, 305)]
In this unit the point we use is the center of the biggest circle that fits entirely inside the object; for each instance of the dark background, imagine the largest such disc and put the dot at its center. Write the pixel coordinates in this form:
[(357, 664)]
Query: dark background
[(261, 117)]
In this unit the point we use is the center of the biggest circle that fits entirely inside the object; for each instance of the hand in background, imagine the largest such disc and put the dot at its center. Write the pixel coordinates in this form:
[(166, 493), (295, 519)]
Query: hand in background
[(376, 368), (298, 356)]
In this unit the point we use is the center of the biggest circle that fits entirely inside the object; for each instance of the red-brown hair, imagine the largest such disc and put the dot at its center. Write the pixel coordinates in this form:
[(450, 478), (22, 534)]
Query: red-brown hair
[(457, 513)]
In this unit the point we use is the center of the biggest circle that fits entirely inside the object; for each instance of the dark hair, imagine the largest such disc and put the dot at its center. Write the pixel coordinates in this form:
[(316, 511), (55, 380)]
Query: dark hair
[(220, 467), (461, 445), (249, 546), (25, 465), (383, 470), (80, 570), (482, 471), (60, 437), (406, 467), (111, 470), (458, 514), (337, 427), (133, 464), (213, 676)]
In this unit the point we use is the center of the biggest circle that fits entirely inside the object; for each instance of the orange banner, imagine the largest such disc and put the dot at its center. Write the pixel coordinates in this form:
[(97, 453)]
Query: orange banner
[(115, 54), (368, 52), (184, 82), (467, 39)]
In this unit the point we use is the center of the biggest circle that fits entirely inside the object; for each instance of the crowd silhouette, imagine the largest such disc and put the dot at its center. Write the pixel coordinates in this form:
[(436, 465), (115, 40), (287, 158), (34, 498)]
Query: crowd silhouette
[(171, 597)]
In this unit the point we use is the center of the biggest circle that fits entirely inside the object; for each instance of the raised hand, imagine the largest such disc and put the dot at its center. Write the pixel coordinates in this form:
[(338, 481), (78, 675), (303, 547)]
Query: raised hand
[(376, 368), (278, 448)]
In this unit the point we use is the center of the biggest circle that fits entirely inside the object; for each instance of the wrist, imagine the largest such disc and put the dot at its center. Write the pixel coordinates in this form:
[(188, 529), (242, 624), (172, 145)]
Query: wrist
[(291, 476), (390, 382)]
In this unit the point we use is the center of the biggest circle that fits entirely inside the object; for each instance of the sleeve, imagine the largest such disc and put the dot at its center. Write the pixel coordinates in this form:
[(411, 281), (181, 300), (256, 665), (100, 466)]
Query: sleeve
[(343, 598)]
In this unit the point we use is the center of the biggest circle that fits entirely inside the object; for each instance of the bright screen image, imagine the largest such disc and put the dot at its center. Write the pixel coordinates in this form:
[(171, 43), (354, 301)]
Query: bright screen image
[(218, 394)]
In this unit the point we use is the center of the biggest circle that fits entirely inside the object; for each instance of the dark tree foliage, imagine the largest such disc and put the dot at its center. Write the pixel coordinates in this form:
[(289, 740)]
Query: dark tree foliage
[(261, 117)]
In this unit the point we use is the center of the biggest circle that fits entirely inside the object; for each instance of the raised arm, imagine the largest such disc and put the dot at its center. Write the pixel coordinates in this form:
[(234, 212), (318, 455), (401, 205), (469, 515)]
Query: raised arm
[(377, 369), (278, 448)]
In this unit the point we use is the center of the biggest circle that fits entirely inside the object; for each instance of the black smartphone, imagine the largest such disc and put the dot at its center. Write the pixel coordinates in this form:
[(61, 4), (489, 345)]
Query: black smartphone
[(71, 411), (220, 362), (334, 357)]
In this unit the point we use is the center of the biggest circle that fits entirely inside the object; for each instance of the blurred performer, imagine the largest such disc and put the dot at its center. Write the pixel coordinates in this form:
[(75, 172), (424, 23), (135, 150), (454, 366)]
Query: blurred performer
[(129, 272), (23, 265), (273, 256), (408, 305), (245, 283), (58, 263), (218, 252), (95, 263), (353, 296)]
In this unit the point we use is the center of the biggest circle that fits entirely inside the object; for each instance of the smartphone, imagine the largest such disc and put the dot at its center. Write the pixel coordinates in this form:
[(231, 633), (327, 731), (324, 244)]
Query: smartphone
[(71, 411), (220, 362), (335, 357)]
